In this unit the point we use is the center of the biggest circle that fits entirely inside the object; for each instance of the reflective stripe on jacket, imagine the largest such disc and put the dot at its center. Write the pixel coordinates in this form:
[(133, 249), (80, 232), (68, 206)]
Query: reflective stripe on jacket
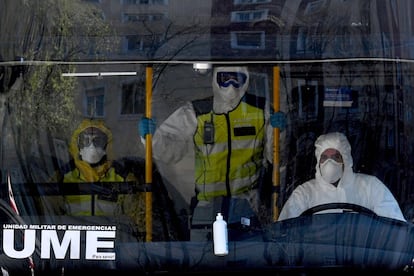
[(85, 205), (230, 163)]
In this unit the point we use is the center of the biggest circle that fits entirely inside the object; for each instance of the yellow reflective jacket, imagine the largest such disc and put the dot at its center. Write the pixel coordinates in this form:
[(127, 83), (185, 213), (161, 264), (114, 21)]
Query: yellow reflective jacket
[(85, 204), (85, 173), (229, 163)]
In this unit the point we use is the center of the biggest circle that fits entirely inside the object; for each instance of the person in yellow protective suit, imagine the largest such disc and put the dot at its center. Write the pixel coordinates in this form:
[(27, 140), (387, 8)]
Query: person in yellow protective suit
[(91, 150)]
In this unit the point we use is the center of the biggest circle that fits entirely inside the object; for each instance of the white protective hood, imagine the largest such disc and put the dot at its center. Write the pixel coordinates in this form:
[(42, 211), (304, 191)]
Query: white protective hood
[(228, 98), (338, 141)]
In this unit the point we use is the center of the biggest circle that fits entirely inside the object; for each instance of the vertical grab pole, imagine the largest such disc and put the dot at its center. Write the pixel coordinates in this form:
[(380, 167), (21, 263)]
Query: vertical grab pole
[(148, 156), (276, 136)]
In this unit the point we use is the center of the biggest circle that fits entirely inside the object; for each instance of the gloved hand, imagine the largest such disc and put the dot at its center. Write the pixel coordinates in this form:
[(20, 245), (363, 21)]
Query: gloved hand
[(278, 120), (146, 126)]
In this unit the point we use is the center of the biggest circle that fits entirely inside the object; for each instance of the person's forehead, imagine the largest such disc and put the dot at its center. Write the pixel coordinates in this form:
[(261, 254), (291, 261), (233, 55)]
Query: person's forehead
[(92, 131), (330, 152)]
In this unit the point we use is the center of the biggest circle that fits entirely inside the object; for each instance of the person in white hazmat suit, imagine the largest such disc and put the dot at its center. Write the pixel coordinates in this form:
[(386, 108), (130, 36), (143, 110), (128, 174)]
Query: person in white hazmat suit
[(231, 134), (336, 182)]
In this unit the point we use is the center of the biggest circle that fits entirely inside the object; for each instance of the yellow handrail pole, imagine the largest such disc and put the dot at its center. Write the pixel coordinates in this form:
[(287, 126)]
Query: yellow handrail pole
[(276, 136), (148, 156)]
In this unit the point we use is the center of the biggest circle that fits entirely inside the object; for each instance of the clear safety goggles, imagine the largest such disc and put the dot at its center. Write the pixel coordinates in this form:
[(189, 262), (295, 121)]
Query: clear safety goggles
[(331, 154), (225, 79), (92, 136)]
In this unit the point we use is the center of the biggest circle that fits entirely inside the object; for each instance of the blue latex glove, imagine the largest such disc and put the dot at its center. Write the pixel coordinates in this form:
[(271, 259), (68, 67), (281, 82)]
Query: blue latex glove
[(278, 120), (146, 126)]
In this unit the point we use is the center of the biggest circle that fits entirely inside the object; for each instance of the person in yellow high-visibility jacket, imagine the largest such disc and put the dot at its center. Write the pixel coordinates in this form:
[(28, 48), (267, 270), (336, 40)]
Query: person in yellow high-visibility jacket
[(232, 137), (91, 150)]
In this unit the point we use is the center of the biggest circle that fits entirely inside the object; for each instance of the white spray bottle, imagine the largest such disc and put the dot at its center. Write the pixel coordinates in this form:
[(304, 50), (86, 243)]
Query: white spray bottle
[(220, 238)]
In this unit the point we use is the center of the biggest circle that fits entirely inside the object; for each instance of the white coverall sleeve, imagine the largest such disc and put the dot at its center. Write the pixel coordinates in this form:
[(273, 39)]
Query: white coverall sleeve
[(295, 205), (383, 202), (174, 137)]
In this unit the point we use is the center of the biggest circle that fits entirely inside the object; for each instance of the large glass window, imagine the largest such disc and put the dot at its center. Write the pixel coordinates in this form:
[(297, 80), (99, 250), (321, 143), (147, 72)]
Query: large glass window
[(95, 102), (128, 128), (133, 98), (248, 16), (248, 40)]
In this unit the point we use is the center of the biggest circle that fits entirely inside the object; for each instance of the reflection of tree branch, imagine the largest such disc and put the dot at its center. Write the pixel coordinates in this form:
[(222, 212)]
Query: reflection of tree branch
[(167, 36), (163, 66), (57, 32), (2, 122), (15, 88)]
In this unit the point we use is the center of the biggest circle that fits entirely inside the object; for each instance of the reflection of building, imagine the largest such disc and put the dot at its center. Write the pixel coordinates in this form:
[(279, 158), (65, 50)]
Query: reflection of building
[(380, 124), (154, 29), (323, 30), (145, 30), (149, 30), (245, 29)]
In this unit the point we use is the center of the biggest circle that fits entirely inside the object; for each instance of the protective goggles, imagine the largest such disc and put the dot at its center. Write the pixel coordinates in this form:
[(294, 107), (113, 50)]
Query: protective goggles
[(92, 136), (225, 79), (331, 154)]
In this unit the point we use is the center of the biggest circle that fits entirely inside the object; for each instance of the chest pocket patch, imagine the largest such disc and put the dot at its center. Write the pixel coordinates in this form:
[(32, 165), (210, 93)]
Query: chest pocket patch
[(244, 131)]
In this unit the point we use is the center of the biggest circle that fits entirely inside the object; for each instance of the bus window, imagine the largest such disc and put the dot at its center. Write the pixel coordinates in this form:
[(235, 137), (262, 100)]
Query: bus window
[(127, 126)]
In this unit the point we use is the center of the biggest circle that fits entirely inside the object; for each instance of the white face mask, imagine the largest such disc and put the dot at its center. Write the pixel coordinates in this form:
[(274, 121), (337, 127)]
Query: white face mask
[(227, 96), (91, 154), (331, 170)]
